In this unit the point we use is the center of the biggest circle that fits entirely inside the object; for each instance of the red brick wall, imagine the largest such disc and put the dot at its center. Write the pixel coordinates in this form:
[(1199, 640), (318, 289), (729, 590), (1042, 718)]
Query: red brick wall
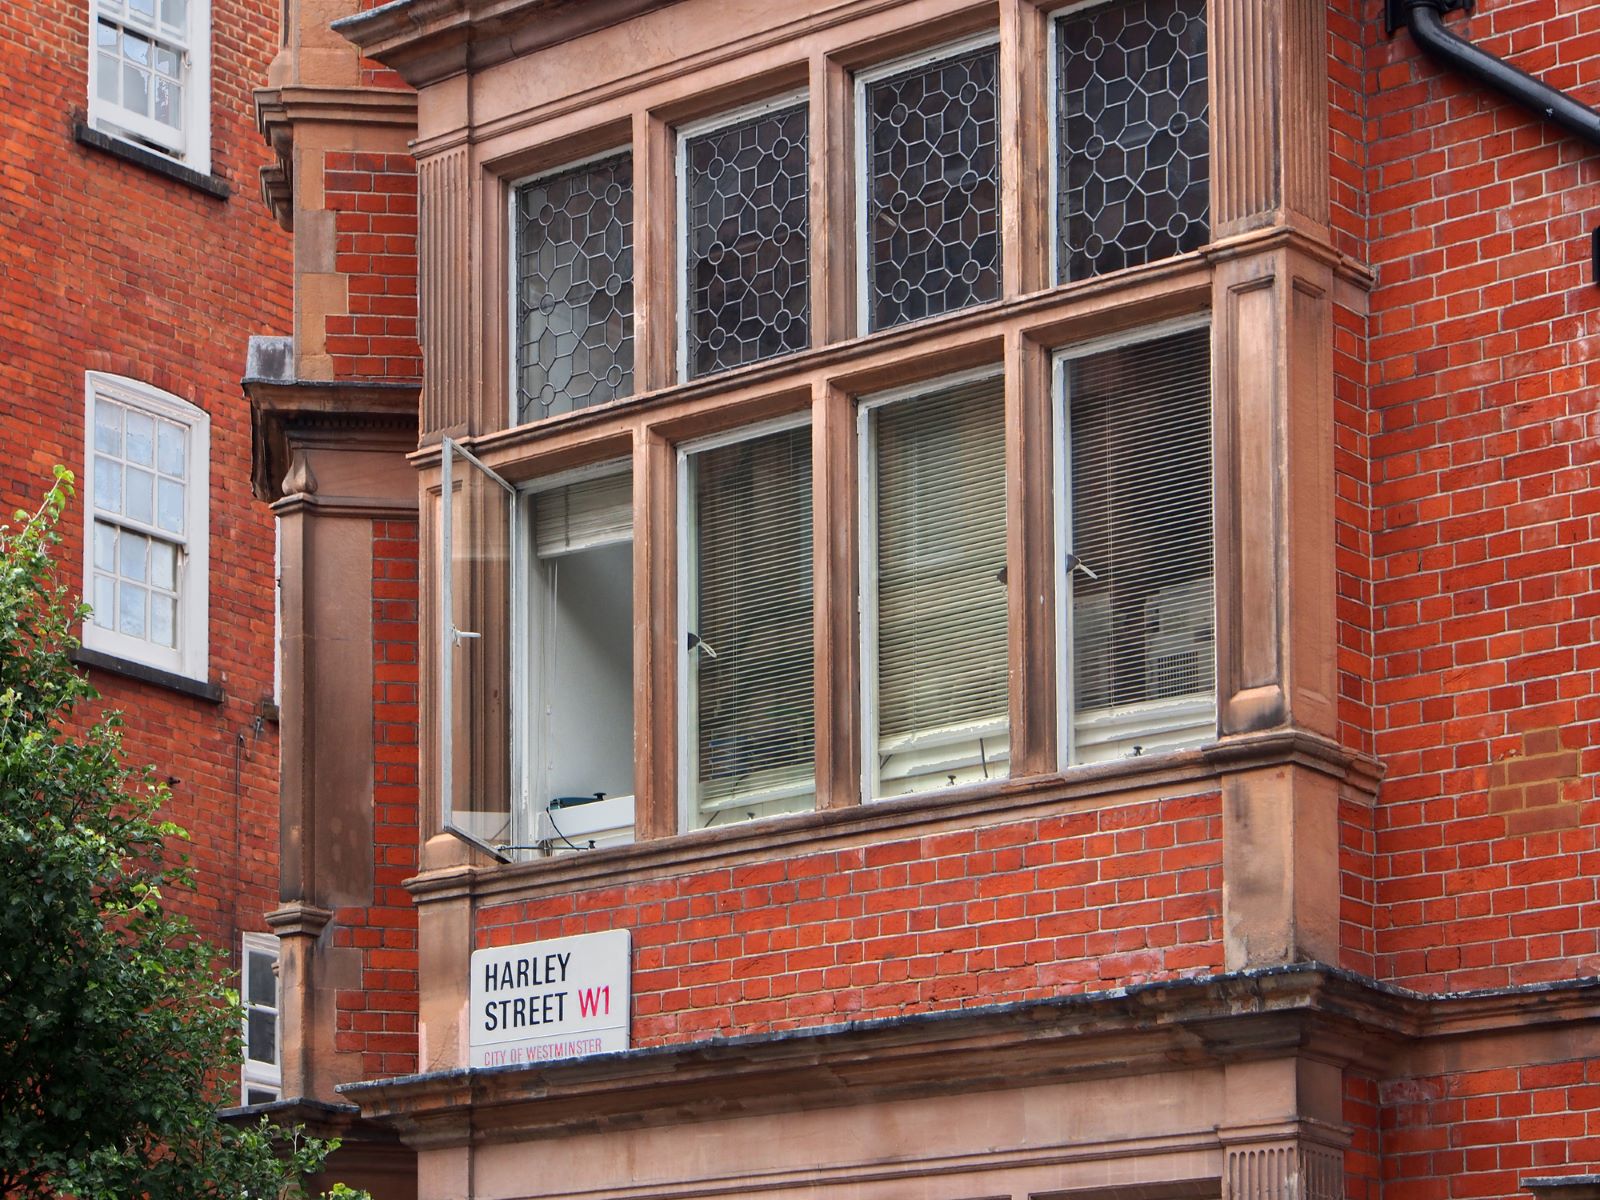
[(1011, 912), (1485, 382), (379, 1019), (374, 201), (1479, 1133), (108, 266)]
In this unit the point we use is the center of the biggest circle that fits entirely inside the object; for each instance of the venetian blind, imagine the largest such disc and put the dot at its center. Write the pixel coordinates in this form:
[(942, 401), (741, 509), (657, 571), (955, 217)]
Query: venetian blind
[(1140, 562), (749, 637), (592, 512), (941, 612)]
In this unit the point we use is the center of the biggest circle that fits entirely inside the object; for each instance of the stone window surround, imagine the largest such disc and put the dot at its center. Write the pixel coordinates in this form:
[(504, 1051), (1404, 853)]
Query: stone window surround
[(1268, 280)]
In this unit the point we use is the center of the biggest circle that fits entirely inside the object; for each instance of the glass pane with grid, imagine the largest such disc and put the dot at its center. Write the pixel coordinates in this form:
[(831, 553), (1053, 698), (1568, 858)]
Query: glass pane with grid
[(1133, 135), (746, 244), (140, 495), (140, 72), (933, 189), (574, 289)]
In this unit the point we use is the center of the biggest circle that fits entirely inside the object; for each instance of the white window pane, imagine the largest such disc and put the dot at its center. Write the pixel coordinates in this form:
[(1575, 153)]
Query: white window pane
[(169, 449), (163, 620), (174, 13), (262, 1037), (107, 484), (135, 90), (141, 446), (105, 601), (164, 565), (167, 61), (131, 556), (169, 505), (105, 547), (108, 417), (169, 104), (137, 493), (136, 49), (130, 610), (105, 36), (143, 11), (105, 77), (261, 986)]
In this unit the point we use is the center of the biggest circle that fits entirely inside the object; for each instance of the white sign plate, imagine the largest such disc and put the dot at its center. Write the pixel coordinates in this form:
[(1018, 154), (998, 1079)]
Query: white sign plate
[(543, 1001)]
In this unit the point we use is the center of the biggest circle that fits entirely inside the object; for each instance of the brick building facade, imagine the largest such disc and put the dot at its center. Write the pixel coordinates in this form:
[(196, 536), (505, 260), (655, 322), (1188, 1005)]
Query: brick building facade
[(1252, 862), (135, 263)]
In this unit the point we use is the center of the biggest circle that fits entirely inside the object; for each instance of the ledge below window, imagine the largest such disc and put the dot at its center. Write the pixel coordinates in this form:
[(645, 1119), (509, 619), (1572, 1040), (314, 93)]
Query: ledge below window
[(95, 660), (211, 185)]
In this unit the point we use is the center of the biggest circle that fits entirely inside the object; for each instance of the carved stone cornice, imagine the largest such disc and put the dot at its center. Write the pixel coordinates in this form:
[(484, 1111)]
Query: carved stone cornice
[(429, 40), (299, 919), (289, 414), (1310, 1009), (279, 110)]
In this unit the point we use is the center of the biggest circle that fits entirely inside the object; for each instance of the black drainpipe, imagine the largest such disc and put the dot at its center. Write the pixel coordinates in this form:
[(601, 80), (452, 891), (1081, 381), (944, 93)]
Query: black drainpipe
[(1424, 18)]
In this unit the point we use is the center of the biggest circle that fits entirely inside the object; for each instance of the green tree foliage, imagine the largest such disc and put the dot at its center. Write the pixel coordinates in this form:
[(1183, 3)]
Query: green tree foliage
[(117, 1034)]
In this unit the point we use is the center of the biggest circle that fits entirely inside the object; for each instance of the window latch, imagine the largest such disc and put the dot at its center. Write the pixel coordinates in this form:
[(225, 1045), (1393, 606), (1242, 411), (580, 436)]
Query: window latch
[(1074, 563), (460, 635), (696, 642)]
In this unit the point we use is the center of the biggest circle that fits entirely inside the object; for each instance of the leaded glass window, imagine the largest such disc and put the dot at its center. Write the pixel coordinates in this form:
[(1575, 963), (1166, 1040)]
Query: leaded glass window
[(1132, 134), (746, 245), (932, 188), (574, 256)]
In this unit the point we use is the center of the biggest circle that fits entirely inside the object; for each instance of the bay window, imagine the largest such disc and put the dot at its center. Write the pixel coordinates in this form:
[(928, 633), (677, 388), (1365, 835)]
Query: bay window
[(873, 629)]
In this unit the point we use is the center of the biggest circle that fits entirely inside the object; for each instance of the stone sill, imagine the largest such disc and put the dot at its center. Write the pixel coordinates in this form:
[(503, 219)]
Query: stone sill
[(211, 185), (1129, 781)]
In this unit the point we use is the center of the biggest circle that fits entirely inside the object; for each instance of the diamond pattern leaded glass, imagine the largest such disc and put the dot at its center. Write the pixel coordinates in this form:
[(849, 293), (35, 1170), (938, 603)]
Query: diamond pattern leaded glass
[(575, 288), (746, 241), (1133, 135), (933, 189)]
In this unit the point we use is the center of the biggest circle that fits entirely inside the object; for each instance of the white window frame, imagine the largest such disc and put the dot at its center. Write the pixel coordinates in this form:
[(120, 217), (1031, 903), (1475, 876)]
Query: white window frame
[(190, 145), (190, 659), (688, 724), (1061, 454), (696, 129), (531, 822), (254, 1075), (513, 186), (863, 157), (867, 564)]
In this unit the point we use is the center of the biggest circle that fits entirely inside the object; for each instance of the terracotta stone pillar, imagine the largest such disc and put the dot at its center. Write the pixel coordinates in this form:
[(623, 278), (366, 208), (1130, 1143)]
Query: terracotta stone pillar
[(1272, 346)]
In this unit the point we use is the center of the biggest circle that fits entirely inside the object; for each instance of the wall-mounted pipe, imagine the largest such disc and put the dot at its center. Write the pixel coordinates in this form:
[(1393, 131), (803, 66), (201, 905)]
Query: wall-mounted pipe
[(1425, 21)]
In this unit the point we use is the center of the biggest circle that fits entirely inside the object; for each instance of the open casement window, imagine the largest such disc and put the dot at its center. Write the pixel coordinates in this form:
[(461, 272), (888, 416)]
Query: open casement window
[(748, 708), (934, 589), (262, 1079), (146, 545), (1137, 545), (479, 519), (579, 659), (150, 75)]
